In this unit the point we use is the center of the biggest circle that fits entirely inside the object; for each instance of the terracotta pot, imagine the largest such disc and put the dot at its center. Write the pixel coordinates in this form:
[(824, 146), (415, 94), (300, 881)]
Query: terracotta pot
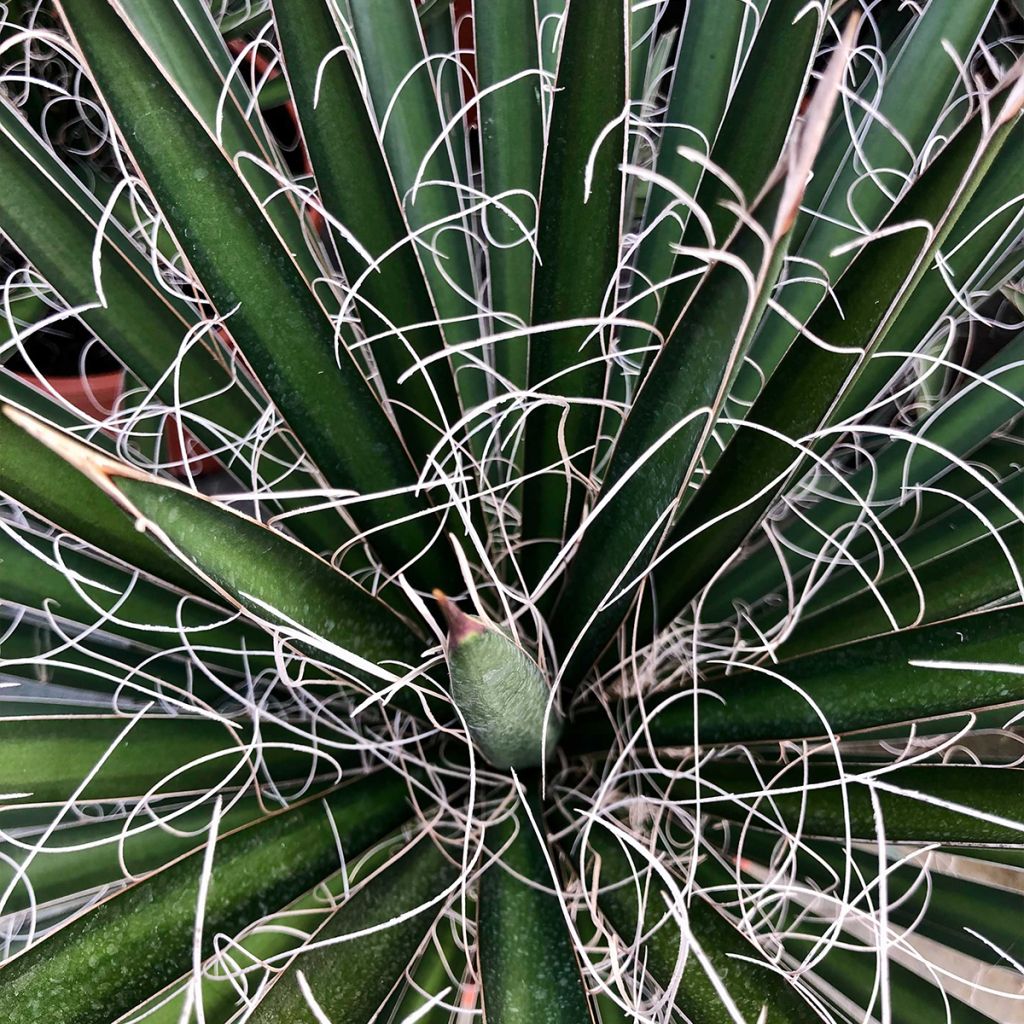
[(200, 461), (95, 394), (466, 42)]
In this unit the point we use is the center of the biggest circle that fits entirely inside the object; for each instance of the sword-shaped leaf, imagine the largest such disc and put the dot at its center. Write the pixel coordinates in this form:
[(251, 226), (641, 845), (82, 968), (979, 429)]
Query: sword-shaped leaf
[(261, 571), (55, 577), (512, 144), (761, 458), (268, 941), (714, 45), (47, 759), (890, 145), (769, 92), (55, 222), (76, 857), (960, 665), (965, 560), (355, 182), (352, 977), (528, 965), (849, 966), (675, 411), (578, 240), (41, 480), (182, 38), (738, 966), (926, 456), (120, 952), (400, 85), (920, 894), (279, 325), (928, 803)]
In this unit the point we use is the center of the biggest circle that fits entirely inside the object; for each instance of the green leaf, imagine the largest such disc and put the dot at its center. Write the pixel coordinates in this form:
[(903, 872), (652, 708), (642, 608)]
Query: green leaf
[(706, 61), (274, 93), (852, 971), (609, 1012), (768, 94), (268, 941), (851, 968), (759, 460), (893, 124), (350, 979), (54, 221), (101, 664), (739, 966), (655, 452), (106, 961), (910, 105), (953, 666), (504, 700), (919, 894), (919, 803), (15, 315), (41, 480), (182, 38), (354, 179), (953, 562), (441, 963), (79, 857), (672, 417), (642, 34), (50, 216), (550, 18), (928, 454), (579, 231), (258, 569), (280, 327), (528, 965), (965, 560), (989, 222), (511, 146), (253, 16), (39, 572), (47, 760), (391, 45), (430, 9), (451, 72)]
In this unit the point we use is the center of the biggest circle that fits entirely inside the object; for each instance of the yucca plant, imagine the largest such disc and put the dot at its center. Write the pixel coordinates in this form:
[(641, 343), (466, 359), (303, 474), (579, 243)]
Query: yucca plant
[(611, 605)]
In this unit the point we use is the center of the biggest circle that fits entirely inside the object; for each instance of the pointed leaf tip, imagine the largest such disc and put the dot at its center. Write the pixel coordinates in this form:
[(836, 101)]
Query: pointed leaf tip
[(99, 468), (811, 134), (460, 625)]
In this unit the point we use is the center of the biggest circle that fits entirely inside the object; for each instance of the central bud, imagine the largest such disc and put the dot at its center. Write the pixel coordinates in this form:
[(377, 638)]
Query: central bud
[(500, 691)]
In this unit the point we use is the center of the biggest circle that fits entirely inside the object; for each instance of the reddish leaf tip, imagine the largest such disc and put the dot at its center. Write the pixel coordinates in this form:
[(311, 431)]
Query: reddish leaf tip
[(460, 625)]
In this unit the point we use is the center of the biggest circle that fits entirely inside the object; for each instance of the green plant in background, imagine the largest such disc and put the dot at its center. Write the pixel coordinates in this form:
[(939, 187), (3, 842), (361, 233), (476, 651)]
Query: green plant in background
[(677, 344)]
